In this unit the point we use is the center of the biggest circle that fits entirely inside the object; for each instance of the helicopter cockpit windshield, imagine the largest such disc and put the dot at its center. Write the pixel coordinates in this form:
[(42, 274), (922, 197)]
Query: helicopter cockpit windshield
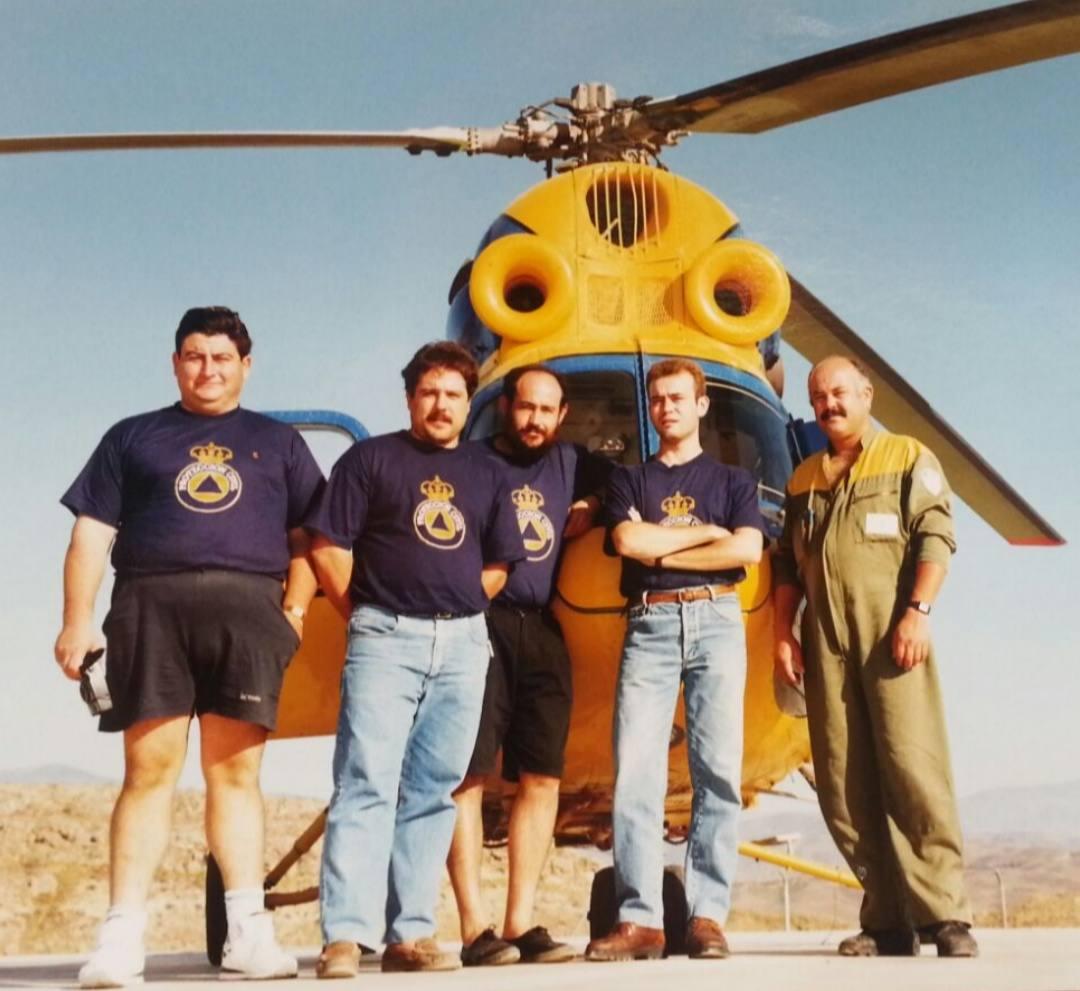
[(739, 429)]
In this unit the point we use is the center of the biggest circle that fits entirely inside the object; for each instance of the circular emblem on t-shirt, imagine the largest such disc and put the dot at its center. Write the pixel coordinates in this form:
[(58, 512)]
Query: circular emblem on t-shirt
[(208, 485), (679, 511), (537, 533), (437, 521)]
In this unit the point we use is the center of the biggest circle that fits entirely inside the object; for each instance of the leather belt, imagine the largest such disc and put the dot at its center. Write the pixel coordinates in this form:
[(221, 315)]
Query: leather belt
[(693, 594)]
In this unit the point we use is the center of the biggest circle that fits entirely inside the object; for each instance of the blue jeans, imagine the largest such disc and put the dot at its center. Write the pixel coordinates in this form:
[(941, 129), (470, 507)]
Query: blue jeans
[(703, 645), (411, 694)]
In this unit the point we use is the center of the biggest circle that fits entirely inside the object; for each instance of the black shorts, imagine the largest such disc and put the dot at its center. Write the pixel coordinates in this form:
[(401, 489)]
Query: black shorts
[(527, 697), (196, 642)]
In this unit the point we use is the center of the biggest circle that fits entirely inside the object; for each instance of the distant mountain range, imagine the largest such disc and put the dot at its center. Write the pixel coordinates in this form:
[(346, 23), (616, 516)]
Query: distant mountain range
[(52, 774), (1032, 813), (1035, 814)]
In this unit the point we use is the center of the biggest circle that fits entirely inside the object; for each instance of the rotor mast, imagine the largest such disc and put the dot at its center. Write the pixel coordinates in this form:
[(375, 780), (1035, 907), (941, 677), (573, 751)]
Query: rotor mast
[(594, 126)]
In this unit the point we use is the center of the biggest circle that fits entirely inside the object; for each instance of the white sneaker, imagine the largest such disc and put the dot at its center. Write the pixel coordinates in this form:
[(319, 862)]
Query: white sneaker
[(118, 959), (252, 952)]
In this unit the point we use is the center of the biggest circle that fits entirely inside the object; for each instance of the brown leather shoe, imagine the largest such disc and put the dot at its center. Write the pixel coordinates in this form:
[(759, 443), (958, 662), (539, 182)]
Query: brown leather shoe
[(627, 941), (420, 954), (705, 939), (338, 959)]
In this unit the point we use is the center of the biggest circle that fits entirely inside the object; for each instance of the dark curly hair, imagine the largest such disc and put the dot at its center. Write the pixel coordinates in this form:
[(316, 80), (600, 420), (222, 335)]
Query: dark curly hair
[(441, 354), (212, 320)]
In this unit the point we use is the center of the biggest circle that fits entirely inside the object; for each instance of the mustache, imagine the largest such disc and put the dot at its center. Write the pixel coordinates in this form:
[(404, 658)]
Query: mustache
[(518, 438)]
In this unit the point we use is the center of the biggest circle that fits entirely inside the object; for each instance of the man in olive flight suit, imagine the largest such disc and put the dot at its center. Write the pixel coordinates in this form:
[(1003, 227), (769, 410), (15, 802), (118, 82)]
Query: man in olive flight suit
[(867, 539)]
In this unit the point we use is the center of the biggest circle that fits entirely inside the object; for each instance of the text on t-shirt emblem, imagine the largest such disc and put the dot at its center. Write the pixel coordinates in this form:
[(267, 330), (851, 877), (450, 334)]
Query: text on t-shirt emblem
[(437, 521), (537, 532), (679, 511), (208, 485)]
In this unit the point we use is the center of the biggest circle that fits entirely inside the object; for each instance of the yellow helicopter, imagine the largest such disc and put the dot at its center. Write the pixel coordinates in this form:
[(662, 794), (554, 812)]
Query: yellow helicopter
[(614, 262)]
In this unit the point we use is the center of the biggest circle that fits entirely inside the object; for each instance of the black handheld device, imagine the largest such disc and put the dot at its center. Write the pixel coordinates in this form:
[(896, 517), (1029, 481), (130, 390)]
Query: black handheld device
[(92, 685)]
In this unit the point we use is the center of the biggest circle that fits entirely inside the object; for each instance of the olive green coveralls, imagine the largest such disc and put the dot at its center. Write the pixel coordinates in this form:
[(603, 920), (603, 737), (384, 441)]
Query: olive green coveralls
[(877, 732)]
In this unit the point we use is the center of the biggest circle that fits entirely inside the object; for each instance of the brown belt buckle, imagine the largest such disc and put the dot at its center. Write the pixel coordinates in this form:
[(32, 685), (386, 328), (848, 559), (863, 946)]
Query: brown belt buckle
[(694, 594)]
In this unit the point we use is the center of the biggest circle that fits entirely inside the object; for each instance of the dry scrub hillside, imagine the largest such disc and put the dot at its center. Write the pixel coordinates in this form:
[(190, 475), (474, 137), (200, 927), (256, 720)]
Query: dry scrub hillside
[(54, 854), (54, 857)]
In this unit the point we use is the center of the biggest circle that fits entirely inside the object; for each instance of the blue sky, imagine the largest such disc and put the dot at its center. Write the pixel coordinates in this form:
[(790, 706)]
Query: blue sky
[(941, 225)]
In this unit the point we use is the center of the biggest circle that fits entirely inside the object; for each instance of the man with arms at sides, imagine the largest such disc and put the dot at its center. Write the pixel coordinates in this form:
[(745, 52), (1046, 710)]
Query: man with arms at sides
[(687, 527), (867, 537), (205, 501), (413, 537), (555, 488)]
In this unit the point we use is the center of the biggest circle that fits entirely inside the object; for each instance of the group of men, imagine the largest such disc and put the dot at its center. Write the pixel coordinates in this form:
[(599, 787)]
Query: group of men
[(441, 555)]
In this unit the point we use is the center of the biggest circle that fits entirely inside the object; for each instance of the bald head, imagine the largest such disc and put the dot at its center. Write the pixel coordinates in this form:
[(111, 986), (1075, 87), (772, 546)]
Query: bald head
[(841, 394), (834, 361)]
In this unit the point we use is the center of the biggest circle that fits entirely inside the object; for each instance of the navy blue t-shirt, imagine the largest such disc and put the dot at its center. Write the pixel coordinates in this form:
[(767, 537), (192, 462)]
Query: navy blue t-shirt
[(421, 521), (701, 491), (541, 491), (188, 491)]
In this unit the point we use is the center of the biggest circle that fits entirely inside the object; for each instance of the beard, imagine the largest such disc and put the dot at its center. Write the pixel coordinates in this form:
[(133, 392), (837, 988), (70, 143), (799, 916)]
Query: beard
[(529, 452)]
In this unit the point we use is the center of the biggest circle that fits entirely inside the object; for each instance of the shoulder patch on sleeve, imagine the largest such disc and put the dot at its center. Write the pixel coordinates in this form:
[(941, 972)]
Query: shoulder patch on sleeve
[(930, 479)]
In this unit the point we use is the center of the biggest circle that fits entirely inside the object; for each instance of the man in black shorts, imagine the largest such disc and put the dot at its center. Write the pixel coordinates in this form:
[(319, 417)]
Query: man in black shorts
[(554, 486), (204, 500)]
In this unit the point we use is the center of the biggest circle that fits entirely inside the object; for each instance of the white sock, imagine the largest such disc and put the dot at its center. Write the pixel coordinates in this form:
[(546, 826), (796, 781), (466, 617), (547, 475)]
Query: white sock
[(126, 923), (242, 903)]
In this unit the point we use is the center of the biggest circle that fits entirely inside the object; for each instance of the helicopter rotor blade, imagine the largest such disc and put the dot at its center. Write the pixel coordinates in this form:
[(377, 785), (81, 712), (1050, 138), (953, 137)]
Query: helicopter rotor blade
[(441, 140), (872, 70), (816, 332)]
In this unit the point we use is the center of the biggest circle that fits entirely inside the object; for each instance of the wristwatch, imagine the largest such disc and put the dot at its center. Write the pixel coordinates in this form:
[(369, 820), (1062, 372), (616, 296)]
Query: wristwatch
[(919, 606), (295, 611)]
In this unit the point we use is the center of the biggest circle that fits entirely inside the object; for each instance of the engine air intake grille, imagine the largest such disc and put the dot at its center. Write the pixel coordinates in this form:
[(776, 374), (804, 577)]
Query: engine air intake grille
[(627, 206)]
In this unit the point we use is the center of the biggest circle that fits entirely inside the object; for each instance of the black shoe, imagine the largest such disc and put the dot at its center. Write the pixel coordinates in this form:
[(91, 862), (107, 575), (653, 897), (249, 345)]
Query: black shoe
[(953, 939), (881, 943), (537, 946), (488, 950)]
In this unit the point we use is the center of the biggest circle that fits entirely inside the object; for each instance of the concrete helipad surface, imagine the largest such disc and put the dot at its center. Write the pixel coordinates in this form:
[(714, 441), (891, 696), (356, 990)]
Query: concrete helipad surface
[(1011, 960)]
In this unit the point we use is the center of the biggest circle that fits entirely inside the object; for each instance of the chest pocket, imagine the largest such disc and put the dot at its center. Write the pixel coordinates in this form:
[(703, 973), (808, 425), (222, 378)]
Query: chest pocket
[(876, 510)]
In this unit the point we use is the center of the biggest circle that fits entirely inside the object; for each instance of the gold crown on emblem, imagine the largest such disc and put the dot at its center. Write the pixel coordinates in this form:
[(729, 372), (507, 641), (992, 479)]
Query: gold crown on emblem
[(678, 505), (526, 498), (438, 490), (211, 454)]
